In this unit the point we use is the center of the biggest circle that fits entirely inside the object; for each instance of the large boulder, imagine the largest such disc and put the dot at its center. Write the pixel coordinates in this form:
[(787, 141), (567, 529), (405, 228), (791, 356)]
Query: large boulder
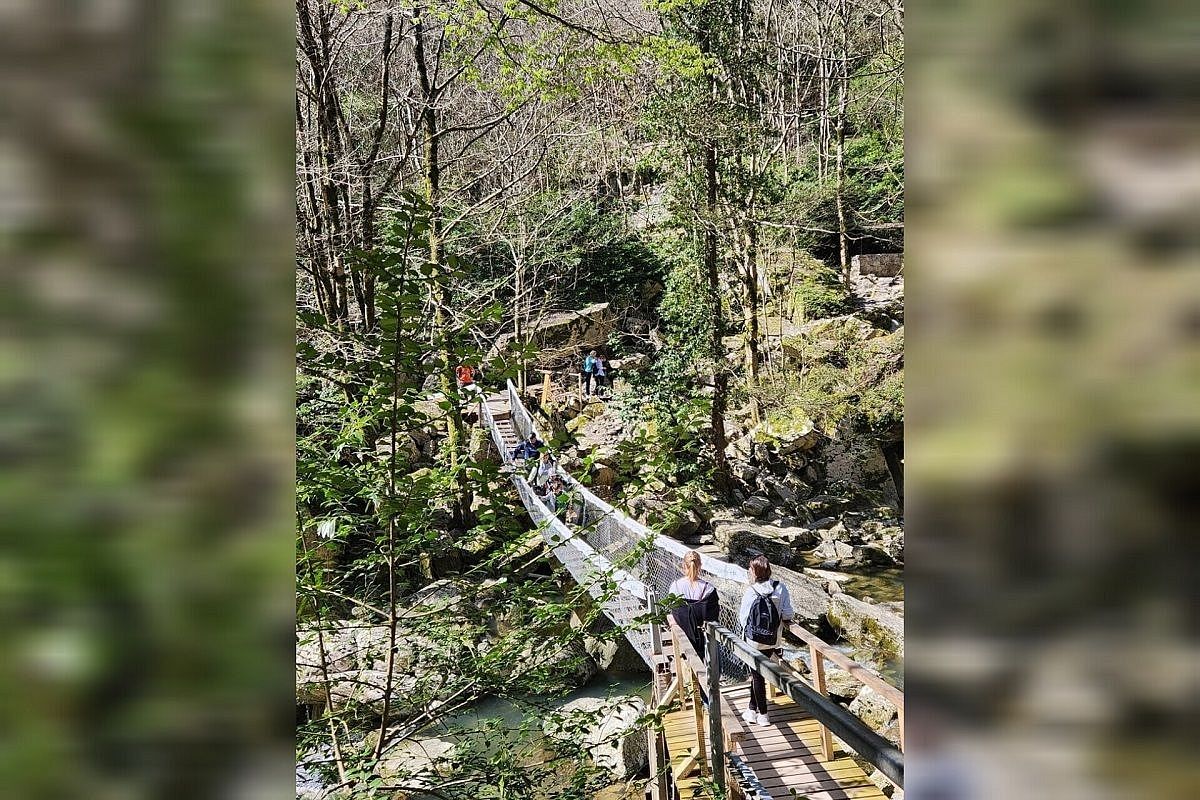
[(810, 600), (886, 265), (418, 763), (786, 432), (744, 539), (755, 506), (840, 684), (875, 629), (362, 689), (610, 729), (873, 708), (564, 333), (631, 363), (835, 555), (566, 666), (826, 339)]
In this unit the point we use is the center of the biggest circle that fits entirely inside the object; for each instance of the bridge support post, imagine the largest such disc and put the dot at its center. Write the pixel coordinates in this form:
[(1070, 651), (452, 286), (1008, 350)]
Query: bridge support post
[(655, 630), (716, 734), (818, 668)]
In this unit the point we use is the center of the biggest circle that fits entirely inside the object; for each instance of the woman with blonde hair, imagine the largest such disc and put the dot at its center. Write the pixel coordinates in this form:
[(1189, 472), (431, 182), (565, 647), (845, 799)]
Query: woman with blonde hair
[(701, 603)]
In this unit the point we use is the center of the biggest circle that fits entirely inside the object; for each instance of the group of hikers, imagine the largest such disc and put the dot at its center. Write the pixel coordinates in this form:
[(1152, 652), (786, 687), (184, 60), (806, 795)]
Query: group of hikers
[(550, 481), (766, 606), (594, 374)]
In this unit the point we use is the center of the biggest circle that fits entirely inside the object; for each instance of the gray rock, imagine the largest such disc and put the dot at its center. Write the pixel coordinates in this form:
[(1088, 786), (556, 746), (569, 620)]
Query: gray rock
[(756, 506), (588, 328), (825, 522), (810, 601), (891, 732), (564, 665), (418, 763), (610, 732), (363, 688), (876, 555), (872, 708), (744, 539), (826, 505), (875, 629), (837, 532), (631, 363), (840, 684), (836, 555), (881, 781), (781, 491), (886, 265)]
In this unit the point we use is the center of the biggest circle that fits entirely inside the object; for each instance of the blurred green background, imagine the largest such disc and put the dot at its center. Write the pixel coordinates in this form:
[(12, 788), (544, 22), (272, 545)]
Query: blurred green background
[(1053, 379), (146, 362)]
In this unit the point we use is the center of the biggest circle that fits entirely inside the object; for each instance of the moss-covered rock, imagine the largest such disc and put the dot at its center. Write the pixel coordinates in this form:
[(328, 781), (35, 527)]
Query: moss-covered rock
[(876, 630)]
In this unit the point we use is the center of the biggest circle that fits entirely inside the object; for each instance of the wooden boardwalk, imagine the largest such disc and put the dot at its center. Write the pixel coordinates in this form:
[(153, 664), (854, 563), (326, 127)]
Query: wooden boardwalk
[(785, 757)]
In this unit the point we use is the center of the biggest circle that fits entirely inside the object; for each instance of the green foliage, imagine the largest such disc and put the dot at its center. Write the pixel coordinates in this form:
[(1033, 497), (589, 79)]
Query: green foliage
[(845, 381), (820, 293)]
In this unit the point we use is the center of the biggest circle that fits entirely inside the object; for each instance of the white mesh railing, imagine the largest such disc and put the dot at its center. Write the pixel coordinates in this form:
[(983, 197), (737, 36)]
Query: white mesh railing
[(626, 544), (485, 413), (621, 594), (522, 421)]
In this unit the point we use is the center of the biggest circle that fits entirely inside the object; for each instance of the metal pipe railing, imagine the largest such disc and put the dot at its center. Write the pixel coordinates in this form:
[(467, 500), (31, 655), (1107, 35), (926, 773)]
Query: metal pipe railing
[(849, 728)]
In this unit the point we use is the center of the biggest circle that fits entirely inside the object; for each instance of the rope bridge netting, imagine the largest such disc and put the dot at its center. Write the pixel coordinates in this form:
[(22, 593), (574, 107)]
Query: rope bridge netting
[(608, 548)]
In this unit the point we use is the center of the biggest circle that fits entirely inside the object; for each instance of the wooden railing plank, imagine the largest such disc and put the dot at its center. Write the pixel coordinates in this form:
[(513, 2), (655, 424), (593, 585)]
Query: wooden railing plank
[(856, 670)]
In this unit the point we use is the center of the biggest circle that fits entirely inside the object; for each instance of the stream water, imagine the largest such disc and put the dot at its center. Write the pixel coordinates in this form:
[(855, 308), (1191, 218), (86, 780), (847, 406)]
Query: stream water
[(481, 714)]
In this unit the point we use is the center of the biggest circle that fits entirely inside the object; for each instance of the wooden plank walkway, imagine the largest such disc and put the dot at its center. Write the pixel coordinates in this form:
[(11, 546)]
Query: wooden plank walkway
[(784, 756)]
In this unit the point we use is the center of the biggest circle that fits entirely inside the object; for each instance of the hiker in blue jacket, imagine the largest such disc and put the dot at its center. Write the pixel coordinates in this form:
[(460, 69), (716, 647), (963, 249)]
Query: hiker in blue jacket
[(756, 608), (589, 373), (528, 448)]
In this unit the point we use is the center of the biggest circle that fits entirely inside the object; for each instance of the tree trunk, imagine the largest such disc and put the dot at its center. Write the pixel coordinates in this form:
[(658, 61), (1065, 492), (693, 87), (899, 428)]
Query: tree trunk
[(455, 433), (750, 285), (722, 478), (844, 75)]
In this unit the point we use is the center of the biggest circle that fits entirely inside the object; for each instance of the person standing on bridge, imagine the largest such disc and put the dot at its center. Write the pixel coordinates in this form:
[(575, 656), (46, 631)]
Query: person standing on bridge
[(766, 605), (701, 603), (552, 499), (464, 376), (528, 448), (545, 469)]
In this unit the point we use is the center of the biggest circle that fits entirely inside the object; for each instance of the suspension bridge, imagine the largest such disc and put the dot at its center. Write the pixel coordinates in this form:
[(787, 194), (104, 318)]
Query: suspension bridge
[(813, 747)]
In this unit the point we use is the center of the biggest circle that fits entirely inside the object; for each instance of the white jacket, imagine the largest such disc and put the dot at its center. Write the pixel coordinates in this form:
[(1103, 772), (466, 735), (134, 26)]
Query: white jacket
[(779, 596)]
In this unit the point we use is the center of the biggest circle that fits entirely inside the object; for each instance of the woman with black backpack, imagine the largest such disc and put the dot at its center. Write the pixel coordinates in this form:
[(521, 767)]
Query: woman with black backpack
[(766, 605)]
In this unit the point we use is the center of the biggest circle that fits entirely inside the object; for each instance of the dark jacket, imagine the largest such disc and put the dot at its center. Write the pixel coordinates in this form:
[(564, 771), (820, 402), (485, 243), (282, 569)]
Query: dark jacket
[(692, 615), (525, 450)]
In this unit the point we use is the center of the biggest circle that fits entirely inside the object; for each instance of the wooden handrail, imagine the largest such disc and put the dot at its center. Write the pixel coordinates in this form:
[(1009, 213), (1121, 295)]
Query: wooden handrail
[(731, 724), (849, 728), (860, 672)]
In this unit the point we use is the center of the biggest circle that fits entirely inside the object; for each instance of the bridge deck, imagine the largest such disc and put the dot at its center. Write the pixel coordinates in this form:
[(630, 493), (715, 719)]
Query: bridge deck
[(784, 756)]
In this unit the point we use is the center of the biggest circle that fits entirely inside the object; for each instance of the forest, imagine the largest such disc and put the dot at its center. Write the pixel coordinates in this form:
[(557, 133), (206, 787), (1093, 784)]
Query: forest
[(708, 194)]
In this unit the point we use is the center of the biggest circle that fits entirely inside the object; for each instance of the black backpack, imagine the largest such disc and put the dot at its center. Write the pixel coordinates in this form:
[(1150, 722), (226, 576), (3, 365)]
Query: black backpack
[(762, 626)]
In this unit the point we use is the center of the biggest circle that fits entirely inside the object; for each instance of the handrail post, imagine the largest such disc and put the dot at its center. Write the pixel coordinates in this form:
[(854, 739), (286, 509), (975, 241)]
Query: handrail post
[(698, 716), (715, 733), (655, 631), (818, 668)]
